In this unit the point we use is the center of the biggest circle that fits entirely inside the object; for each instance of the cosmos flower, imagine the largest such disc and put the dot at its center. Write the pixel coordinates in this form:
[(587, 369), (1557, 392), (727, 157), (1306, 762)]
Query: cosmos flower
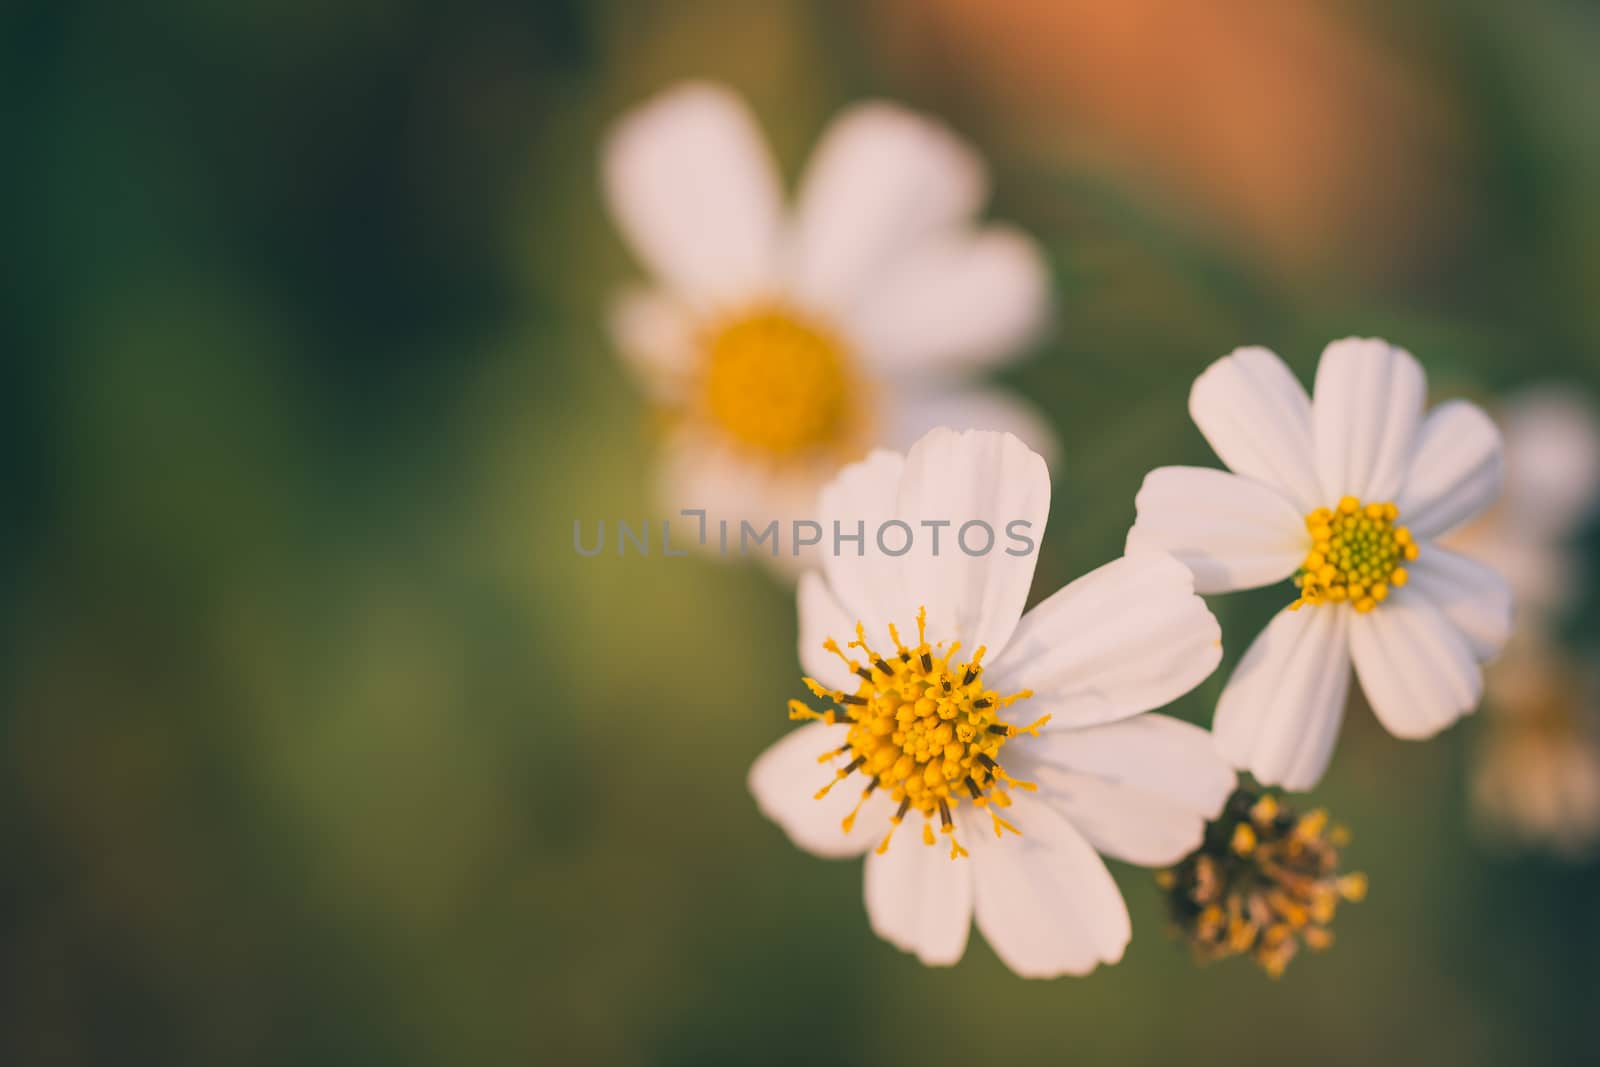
[(1264, 882), (781, 343), (1345, 494), (1014, 743)]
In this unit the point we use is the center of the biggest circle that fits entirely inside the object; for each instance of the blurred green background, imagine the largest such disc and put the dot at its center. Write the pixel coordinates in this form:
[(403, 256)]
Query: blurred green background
[(320, 744)]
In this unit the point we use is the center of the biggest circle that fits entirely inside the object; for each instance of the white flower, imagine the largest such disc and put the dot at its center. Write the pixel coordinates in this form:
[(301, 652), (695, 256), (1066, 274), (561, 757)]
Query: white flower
[(1346, 493), (1536, 773), (1018, 736), (1552, 449), (782, 342)]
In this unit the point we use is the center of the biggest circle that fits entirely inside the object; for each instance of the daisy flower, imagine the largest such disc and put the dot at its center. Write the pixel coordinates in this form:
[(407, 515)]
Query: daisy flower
[(1343, 493), (782, 342), (1014, 743)]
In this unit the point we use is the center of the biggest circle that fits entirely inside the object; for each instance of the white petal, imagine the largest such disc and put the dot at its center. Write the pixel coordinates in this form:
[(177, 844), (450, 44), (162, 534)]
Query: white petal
[(968, 480), (1046, 903), (881, 180), (1456, 472), (1140, 790), (919, 899), (1472, 596), (909, 415), (655, 335), (958, 301), (1257, 418), (821, 617), (1125, 638), (868, 584), (701, 472), (1415, 667), (698, 472), (1232, 532), (1369, 397), (1545, 580), (785, 779), (1278, 717), (695, 192)]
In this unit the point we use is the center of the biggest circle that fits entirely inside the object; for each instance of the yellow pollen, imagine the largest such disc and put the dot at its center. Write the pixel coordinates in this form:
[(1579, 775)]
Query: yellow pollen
[(1357, 554), (776, 382), (924, 729)]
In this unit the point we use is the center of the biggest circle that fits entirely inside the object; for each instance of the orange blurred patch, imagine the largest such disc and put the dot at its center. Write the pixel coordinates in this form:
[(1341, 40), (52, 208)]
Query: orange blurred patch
[(1283, 120)]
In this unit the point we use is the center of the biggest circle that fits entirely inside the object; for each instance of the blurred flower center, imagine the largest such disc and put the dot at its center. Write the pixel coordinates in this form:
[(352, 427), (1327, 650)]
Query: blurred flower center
[(1264, 881), (776, 382), (1356, 555), (924, 728)]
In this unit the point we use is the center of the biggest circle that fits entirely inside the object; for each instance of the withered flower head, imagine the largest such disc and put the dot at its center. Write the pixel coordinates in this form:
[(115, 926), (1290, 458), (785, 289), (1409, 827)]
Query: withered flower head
[(1264, 881)]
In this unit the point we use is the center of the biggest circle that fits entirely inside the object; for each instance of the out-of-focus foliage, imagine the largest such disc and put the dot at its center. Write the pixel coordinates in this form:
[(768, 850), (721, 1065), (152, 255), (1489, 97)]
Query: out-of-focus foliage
[(321, 745)]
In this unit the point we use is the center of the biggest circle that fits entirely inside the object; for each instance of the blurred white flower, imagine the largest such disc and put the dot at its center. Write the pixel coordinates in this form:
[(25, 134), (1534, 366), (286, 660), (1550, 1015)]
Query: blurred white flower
[(1019, 736), (784, 342), (1552, 450), (1537, 774), (1319, 492)]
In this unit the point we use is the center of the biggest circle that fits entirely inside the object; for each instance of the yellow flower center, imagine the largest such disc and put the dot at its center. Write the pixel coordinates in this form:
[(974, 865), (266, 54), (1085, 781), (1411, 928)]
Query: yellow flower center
[(923, 727), (1357, 555), (776, 382)]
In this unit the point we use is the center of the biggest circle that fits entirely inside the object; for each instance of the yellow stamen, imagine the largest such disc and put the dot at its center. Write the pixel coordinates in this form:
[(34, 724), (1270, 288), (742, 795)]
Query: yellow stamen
[(1264, 882), (923, 727), (1000, 825), (1353, 887), (801, 713), (850, 820), (1312, 823), (1355, 555)]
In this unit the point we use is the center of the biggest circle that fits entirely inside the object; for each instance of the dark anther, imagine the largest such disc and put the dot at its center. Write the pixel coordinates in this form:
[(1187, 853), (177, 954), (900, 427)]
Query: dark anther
[(982, 703), (882, 666), (1003, 731), (944, 813), (863, 673), (927, 662), (852, 698), (972, 787), (987, 762), (905, 806), (972, 673)]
